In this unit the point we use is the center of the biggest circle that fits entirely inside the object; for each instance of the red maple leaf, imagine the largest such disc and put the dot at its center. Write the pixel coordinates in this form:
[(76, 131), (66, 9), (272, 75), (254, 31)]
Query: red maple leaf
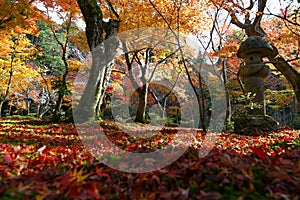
[(260, 153)]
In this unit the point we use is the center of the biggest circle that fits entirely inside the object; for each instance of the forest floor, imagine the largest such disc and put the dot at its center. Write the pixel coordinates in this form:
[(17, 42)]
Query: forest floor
[(42, 160)]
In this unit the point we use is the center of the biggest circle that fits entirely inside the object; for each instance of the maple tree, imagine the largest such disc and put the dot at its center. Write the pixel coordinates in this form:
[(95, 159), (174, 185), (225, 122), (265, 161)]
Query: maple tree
[(193, 67), (141, 75), (18, 14), (58, 58), (21, 17), (142, 14), (15, 51), (146, 61)]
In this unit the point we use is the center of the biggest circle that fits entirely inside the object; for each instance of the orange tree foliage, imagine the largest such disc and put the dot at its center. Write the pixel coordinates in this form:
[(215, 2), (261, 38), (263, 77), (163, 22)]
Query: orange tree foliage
[(183, 16), (284, 38), (18, 15), (137, 14), (16, 75)]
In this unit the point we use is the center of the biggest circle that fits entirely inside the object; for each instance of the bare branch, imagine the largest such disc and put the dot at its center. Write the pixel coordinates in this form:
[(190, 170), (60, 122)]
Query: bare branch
[(251, 5), (253, 28), (113, 10), (260, 10), (129, 66), (161, 61), (285, 19)]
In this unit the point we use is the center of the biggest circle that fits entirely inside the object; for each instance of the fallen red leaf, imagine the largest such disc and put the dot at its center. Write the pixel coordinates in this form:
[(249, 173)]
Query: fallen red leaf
[(261, 154), (7, 159)]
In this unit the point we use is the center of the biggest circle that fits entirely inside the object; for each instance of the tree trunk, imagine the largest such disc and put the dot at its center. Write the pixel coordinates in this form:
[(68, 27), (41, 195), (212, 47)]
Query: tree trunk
[(28, 105), (8, 84), (86, 109), (94, 33), (59, 102), (201, 102), (62, 89), (95, 28), (1, 105), (141, 108), (101, 89), (93, 18), (10, 112), (228, 102), (290, 73)]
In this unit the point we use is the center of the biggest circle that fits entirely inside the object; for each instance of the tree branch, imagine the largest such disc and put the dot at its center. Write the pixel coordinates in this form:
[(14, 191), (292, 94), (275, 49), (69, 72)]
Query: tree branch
[(251, 29), (111, 7)]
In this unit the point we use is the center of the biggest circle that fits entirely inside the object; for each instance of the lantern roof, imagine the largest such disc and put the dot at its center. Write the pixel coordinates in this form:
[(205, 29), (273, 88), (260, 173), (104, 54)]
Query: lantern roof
[(255, 44)]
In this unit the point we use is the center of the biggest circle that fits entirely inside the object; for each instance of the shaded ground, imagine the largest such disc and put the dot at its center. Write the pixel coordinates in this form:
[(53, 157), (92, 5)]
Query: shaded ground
[(40, 160)]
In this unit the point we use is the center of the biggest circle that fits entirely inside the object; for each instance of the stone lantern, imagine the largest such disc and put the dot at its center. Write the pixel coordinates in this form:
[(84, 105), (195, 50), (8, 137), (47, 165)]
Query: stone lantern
[(253, 72)]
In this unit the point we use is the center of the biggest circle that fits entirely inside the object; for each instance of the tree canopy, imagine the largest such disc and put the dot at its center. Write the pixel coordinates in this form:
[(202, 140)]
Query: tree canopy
[(219, 27)]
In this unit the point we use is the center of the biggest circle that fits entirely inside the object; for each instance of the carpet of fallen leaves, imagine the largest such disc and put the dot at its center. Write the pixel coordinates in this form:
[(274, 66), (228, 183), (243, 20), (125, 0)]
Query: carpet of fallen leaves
[(40, 160)]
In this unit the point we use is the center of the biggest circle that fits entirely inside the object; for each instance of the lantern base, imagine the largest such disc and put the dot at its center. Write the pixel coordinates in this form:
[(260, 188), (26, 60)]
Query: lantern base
[(255, 125)]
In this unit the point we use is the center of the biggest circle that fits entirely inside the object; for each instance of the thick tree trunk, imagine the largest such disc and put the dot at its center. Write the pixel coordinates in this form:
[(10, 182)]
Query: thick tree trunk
[(290, 73), (101, 89), (59, 102), (101, 53), (28, 106), (94, 25), (86, 109), (201, 102), (94, 33)]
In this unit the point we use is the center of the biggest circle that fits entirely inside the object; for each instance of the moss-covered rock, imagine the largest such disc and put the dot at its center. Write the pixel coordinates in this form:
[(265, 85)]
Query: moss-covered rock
[(254, 124)]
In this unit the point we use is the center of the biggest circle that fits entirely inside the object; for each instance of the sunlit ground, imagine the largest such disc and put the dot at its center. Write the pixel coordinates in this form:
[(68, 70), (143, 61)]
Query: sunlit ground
[(48, 160)]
